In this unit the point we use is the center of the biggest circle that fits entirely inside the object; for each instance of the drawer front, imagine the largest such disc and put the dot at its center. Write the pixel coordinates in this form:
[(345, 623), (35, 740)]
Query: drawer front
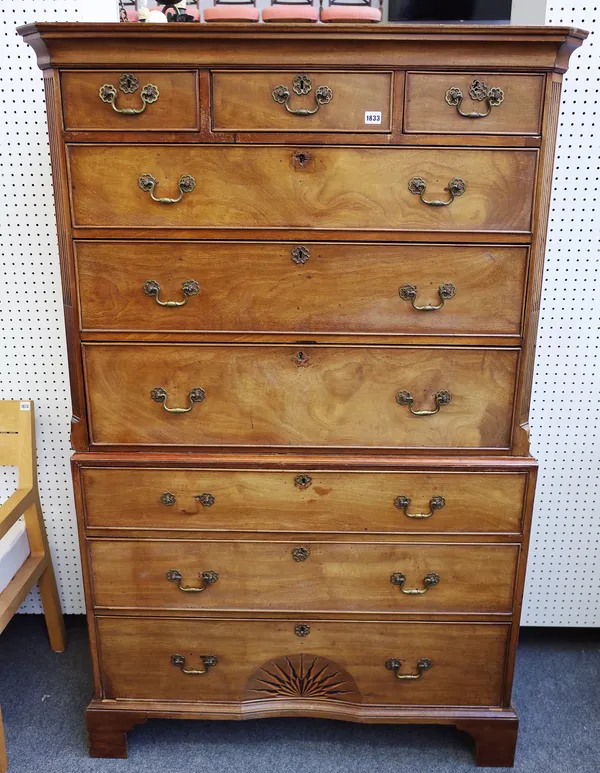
[(285, 187), (300, 500), (292, 396), (303, 288), (436, 103), (168, 100), (278, 101), (304, 576), (257, 660)]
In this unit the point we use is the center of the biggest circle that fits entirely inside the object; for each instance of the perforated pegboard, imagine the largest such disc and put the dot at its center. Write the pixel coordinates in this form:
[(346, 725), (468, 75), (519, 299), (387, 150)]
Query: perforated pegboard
[(33, 355), (563, 584), (563, 579)]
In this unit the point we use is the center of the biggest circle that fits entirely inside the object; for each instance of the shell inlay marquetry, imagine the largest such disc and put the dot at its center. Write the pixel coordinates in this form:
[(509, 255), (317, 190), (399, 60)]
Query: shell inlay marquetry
[(302, 676)]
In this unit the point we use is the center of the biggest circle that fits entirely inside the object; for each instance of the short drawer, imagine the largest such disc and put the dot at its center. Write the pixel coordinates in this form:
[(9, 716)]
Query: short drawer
[(471, 103), (300, 500), (333, 396), (310, 101), (304, 288), (106, 100), (304, 659), (276, 187), (305, 576)]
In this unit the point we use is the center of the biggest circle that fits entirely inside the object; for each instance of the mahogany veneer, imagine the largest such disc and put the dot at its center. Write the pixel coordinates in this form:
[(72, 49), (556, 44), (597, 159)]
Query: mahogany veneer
[(301, 356)]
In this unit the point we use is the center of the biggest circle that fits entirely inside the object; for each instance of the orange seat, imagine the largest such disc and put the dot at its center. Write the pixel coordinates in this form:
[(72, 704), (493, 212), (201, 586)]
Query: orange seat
[(291, 12), (231, 12), (351, 13)]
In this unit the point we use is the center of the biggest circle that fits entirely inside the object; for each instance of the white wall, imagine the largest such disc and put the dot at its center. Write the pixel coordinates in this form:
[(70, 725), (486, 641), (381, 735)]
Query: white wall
[(564, 574)]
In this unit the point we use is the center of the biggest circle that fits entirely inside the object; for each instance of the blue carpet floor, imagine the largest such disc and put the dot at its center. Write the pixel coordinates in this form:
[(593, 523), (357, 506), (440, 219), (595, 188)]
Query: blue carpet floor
[(43, 697)]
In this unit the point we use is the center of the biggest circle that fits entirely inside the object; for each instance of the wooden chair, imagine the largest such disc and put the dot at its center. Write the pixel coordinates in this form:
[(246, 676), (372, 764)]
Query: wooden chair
[(17, 447)]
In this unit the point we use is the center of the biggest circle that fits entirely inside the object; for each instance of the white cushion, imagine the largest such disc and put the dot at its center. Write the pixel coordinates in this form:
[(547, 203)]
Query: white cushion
[(14, 550)]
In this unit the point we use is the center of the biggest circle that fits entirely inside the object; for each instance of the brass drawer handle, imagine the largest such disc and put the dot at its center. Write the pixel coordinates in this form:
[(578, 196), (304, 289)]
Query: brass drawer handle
[(208, 578), (443, 397), (208, 660), (395, 664), (168, 500), (148, 183), (196, 395), (456, 187), (435, 503), (128, 84), (429, 581), (446, 291), (479, 91), (188, 288), (301, 85)]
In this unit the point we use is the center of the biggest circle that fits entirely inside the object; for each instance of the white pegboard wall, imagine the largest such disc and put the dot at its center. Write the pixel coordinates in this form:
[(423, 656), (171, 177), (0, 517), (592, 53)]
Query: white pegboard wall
[(563, 578), (563, 582), (33, 355)]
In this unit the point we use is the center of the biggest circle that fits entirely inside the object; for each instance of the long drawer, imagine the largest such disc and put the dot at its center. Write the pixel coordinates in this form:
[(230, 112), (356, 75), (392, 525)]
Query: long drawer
[(460, 664), (304, 288), (307, 576), (332, 396), (295, 501), (287, 187)]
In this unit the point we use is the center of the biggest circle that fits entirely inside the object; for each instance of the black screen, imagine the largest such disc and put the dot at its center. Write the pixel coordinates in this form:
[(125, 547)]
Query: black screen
[(450, 10)]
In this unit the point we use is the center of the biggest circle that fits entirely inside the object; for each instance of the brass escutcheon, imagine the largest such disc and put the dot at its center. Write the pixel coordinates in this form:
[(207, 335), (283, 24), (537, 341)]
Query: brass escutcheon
[(303, 480), (301, 553), (300, 255)]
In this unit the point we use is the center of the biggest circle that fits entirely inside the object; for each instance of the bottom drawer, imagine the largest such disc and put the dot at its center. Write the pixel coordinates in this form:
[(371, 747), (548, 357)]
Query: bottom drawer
[(461, 664)]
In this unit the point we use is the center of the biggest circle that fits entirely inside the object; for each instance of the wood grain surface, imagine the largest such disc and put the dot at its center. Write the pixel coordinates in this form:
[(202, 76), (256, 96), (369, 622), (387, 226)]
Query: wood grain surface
[(244, 101), (308, 396), (426, 110), (467, 659), (336, 576), (257, 287), (285, 187), (256, 501)]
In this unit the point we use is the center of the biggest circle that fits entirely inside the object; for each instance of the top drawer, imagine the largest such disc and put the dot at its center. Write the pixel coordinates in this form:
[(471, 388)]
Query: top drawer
[(313, 101), (468, 103), (141, 100)]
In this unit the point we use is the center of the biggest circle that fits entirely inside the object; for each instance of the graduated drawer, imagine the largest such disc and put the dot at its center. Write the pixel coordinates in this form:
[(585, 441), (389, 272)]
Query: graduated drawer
[(284, 187), (269, 660), (494, 103), (305, 576), (310, 501), (255, 100), (169, 100), (302, 288), (268, 395)]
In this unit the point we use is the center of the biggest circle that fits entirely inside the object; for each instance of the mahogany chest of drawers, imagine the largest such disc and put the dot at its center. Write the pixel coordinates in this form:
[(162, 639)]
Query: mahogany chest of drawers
[(301, 272)]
